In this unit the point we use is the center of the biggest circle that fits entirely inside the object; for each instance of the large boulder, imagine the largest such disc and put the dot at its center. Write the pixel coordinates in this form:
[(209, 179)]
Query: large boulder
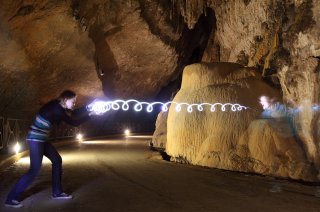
[(231, 140)]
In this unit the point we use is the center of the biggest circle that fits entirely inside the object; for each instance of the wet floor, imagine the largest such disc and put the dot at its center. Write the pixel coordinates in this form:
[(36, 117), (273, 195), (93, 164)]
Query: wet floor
[(125, 175)]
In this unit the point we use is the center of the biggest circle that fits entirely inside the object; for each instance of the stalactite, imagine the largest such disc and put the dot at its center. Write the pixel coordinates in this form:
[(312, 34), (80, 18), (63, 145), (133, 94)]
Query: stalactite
[(189, 9)]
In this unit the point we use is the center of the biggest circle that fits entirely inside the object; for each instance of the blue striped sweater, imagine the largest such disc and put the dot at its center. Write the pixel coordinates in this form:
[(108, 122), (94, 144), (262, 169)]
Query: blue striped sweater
[(50, 114)]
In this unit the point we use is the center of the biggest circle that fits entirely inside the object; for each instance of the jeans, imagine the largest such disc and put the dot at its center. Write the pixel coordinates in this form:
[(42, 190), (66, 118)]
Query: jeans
[(37, 151)]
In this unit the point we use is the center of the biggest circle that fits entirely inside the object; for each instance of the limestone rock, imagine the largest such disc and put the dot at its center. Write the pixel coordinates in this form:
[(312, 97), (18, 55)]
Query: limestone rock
[(231, 140), (281, 39), (271, 149), (159, 139)]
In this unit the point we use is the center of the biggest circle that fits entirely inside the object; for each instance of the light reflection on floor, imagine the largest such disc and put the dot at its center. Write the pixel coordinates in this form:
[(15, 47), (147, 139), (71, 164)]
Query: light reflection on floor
[(70, 158), (126, 139), (140, 136), (100, 142), (66, 158)]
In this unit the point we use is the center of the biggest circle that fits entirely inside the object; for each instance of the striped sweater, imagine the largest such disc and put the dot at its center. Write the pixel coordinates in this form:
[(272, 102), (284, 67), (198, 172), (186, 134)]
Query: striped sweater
[(39, 130), (50, 114)]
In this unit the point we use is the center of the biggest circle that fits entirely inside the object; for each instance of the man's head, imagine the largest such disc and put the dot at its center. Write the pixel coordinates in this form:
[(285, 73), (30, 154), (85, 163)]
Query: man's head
[(68, 99), (265, 101)]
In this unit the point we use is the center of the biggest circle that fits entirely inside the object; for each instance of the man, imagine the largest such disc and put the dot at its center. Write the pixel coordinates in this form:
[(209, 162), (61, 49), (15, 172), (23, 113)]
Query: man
[(51, 113)]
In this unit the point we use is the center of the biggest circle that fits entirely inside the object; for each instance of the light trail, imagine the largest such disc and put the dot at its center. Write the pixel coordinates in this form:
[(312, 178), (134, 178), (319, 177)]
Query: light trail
[(100, 107)]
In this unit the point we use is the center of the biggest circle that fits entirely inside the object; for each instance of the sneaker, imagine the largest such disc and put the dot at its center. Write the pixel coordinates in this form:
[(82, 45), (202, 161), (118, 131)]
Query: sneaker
[(62, 196), (13, 204)]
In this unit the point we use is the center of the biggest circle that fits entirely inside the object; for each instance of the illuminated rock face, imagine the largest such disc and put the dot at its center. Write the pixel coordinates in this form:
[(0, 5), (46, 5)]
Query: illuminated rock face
[(231, 140), (281, 39), (159, 139), (43, 51), (120, 49), (265, 148)]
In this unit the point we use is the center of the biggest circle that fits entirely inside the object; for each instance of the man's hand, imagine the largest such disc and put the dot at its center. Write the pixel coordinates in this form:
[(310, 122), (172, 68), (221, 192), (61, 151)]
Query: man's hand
[(89, 106)]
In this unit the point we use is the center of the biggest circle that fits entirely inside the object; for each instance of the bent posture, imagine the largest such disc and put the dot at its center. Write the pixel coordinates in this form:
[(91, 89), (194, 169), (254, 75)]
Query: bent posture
[(51, 113)]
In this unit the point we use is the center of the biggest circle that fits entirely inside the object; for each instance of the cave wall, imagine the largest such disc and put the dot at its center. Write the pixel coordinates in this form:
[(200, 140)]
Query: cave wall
[(43, 51), (115, 49), (279, 38)]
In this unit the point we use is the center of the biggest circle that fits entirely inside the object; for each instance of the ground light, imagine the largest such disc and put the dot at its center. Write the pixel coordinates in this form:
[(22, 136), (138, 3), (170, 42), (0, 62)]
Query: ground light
[(79, 137), (127, 132), (17, 147)]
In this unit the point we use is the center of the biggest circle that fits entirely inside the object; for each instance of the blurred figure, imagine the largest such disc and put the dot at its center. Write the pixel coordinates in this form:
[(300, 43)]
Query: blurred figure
[(273, 109), (281, 119)]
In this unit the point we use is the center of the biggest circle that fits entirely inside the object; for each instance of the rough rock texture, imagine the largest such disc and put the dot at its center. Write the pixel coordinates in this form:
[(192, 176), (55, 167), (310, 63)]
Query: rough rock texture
[(43, 51), (120, 49), (270, 147), (281, 39), (159, 138), (231, 140)]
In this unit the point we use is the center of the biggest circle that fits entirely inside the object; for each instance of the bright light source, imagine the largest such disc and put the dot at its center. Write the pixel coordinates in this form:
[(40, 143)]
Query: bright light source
[(127, 132), (17, 147), (80, 137)]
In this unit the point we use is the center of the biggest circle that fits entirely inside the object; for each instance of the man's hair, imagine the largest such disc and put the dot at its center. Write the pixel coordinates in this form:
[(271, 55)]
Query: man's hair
[(67, 94)]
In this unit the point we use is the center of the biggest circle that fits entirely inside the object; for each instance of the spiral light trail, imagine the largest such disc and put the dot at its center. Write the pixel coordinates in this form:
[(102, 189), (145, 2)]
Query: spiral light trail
[(100, 107)]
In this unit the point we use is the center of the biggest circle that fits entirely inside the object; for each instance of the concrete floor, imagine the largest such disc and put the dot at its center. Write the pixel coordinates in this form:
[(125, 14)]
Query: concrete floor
[(124, 175)]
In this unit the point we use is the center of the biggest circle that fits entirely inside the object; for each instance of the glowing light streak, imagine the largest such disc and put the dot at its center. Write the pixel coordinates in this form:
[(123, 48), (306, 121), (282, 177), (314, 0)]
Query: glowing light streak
[(100, 107)]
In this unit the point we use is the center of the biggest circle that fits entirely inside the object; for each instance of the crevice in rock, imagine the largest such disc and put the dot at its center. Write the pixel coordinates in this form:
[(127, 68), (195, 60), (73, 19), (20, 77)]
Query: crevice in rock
[(246, 2), (164, 155), (274, 38), (23, 11), (243, 58), (161, 151), (106, 65), (317, 70), (156, 15), (193, 42), (191, 45), (301, 18)]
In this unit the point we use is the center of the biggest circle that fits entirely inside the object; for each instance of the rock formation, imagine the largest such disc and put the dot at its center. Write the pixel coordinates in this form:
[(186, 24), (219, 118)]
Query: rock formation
[(232, 140), (281, 39), (159, 139)]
